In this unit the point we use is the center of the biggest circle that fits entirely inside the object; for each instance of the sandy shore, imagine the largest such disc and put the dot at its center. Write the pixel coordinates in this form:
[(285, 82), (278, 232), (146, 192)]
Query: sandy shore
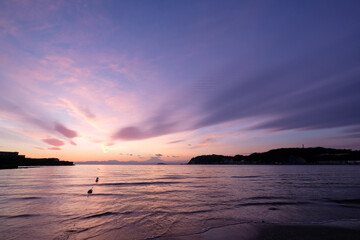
[(281, 232), (307, 232)]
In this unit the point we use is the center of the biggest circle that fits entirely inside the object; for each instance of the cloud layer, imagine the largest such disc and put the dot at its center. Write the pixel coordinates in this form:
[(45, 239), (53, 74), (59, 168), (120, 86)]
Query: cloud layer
[(315, 91), (109, 76)]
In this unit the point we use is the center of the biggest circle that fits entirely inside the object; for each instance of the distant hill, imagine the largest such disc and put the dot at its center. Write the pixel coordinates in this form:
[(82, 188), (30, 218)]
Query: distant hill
[(317, 155), (14, 160)]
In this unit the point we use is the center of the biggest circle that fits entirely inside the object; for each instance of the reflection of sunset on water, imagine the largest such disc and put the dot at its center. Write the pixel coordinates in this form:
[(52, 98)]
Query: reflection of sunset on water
[(171, 202)]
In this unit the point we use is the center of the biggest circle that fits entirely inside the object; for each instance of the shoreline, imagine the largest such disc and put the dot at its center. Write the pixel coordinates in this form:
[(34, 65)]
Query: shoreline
[(345, 230)]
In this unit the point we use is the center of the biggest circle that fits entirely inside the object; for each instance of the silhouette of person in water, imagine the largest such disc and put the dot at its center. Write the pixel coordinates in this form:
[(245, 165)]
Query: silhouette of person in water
[(97, 179)]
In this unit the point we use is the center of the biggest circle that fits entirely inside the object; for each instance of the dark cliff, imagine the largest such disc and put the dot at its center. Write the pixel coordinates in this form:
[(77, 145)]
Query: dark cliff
[(286, 156)]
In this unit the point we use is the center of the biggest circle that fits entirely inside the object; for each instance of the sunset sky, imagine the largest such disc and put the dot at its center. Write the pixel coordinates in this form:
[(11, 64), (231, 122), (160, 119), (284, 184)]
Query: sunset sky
[(139, 80)]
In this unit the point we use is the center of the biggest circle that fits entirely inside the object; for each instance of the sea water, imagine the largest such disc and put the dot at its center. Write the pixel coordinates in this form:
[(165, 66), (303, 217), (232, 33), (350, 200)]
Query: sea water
[(170, 201)]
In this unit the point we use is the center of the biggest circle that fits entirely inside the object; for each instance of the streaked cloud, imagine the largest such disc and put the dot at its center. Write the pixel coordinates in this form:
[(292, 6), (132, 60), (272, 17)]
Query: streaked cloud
[(199, 77), (54, 148), (65, 131), (175, 141), (53, 141), (304, 93)]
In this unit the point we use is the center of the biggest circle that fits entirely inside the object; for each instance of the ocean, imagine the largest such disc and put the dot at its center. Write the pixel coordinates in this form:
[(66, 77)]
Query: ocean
[(173, 201)]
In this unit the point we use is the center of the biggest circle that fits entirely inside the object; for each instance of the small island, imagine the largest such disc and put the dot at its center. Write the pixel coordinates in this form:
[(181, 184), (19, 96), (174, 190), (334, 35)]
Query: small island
[(286, 156), (10, 160)]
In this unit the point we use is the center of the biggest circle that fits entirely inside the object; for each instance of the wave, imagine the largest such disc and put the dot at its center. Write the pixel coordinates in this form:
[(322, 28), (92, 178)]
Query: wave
[(209, 177), (194, 212), (173, 177), (24, 216), (245, 176), (264, 198), (347, 201), (110, 194), (270, 203), (80, 230), (27, 198), (163, 192), (103, 214), (136, 183), (100, 215)]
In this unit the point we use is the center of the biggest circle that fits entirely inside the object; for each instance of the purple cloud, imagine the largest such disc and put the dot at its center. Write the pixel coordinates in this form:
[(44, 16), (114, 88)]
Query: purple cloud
[(35, 120), (65, 131), (130, 133), (54, 148), (53, 141), (156, 125)]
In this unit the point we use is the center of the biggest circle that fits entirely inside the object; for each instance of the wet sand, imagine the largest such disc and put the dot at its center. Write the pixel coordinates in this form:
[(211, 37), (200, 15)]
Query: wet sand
[(308, 233), (263, 231)]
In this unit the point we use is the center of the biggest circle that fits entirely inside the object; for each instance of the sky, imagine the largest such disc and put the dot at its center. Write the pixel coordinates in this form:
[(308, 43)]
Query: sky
[(170, 80)]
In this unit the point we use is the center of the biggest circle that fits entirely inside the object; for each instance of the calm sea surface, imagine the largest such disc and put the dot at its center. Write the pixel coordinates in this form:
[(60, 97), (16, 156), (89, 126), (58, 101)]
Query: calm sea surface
[(169, 202)]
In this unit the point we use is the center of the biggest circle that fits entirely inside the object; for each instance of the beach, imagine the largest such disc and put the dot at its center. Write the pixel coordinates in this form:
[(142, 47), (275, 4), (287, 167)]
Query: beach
[(282, 232)]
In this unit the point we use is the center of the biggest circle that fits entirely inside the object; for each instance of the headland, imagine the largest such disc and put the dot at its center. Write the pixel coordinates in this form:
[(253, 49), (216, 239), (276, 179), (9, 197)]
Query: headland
[(14, 160), (286, 156)]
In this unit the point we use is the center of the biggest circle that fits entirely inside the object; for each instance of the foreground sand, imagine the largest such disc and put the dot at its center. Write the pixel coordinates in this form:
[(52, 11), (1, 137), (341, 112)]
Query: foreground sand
[(308, 232), (263, 231)]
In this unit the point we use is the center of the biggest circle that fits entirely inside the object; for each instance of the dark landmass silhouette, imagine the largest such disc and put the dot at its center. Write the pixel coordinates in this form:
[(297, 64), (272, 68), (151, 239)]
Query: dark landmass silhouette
[(14, 160), (317, 155)]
